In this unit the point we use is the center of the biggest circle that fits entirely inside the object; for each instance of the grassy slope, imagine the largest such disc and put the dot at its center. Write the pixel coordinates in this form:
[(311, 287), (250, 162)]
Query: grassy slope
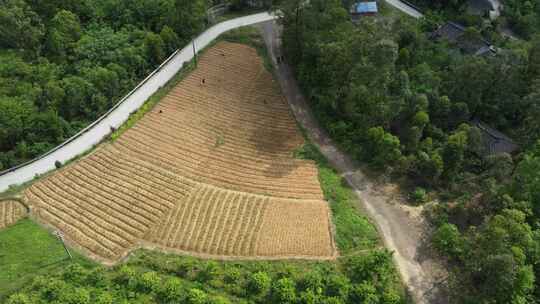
[(26, 249), (354, 232)]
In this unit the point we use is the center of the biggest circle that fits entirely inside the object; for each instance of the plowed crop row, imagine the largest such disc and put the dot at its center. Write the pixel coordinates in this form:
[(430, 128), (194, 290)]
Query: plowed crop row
[(234, 130), (215, 221), (209, 170), (10, 213), (106, 202)]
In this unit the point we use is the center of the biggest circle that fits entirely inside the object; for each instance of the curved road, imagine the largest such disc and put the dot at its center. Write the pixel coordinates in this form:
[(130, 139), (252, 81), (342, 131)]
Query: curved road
[(407, 9), (401, 229), (93, 134)]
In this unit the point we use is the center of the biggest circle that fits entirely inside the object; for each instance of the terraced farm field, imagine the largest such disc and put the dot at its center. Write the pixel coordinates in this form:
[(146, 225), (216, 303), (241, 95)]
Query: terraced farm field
[(10, 212), (209, 171)]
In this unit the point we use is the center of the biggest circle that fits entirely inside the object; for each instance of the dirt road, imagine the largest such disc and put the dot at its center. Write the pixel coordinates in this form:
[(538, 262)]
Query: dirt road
[(401, 227)]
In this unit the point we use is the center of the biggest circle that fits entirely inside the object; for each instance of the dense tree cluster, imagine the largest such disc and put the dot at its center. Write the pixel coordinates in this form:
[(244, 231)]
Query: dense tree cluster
[(63, 63), (395, 98), (523, 16), (392, 97), (153, 278)]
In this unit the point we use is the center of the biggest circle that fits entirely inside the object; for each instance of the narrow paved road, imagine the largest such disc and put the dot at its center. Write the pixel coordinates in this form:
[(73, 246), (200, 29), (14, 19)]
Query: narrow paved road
[(407, 9), (100, 129), (402, 232)]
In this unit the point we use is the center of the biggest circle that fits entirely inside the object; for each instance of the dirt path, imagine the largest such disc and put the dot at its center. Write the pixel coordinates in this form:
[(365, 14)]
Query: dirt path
[(402, 228)]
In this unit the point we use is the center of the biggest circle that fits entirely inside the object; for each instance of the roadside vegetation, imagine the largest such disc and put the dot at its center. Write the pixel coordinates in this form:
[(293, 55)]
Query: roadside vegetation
[(407, 106)]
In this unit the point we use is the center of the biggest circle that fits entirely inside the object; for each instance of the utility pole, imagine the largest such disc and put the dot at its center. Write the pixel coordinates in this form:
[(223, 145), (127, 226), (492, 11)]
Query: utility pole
[(194, 52), (60, 237)]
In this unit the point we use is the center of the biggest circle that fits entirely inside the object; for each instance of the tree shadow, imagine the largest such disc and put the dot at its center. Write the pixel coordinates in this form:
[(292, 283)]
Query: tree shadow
[(438, 293), (276, 144)]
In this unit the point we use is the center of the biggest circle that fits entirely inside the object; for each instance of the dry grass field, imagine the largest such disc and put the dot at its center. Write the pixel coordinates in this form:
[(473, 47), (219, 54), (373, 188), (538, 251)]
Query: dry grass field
[(215, 221), (10, 212), (209, 171)]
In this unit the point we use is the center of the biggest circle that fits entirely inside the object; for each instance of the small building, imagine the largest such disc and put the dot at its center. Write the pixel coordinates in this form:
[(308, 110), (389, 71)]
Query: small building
[(456, 34), (493, 141), (364, 9)]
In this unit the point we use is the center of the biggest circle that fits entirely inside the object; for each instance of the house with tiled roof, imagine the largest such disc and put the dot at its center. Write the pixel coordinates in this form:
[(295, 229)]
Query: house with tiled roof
[(456, 34)]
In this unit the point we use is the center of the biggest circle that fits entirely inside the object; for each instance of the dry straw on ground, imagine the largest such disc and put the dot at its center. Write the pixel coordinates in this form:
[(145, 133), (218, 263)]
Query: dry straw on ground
[(10, 212), (210, 170)]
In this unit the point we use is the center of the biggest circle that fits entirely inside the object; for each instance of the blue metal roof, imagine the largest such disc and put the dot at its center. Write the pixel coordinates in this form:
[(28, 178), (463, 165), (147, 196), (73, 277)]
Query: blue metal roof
[(366, 7)]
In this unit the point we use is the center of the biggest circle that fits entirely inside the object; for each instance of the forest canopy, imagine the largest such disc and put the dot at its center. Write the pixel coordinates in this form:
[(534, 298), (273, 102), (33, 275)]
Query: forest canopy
[(417, 109), (63, 63)]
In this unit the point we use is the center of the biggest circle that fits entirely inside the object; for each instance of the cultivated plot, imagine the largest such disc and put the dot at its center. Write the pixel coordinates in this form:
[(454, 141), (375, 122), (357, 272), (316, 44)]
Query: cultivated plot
[(210, 170), (11, 211)]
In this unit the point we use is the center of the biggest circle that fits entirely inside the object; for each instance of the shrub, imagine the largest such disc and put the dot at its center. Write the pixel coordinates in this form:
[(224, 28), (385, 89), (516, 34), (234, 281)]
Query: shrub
[(447, 240), (148, 282), (75, 296), (53, 289), (75, 273), (126, 276), (309, 297), (365, 293), (284, 291), (312, 280), (187, 268), (419, 195), (97, 278), (104, 298), (209, 271), (196, 296), (171, 290), (338, 286), (18, 298), (259, 283), (391, 296), (58, 164), (219, 300)]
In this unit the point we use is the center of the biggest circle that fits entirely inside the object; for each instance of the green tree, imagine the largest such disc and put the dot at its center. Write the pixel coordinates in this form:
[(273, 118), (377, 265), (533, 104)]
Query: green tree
[(365, 293), (448, 240), (338, 286), (19, 298), (155, 48), (196, 296), (259, 284), (284, 291), (148, 282), (20, 27), (496, 268), (170, 39), (384, 148), (455, 148), (63, 32), (527, 180), (188, 18), (14, 116), (170, 291)]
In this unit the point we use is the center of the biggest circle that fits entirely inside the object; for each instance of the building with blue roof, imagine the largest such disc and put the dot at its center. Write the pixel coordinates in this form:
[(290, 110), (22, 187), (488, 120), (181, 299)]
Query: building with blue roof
[(359, 9)]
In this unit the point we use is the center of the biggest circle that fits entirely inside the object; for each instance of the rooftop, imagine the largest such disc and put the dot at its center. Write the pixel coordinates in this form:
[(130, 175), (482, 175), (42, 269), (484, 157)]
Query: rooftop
[(454, 33), (365, 7), (494, 141)]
